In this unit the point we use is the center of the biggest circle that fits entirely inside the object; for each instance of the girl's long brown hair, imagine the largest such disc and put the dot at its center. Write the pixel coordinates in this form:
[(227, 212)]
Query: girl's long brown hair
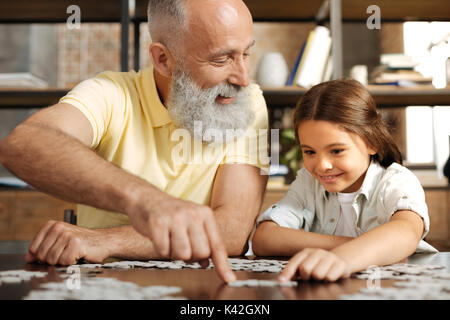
[(349, 104)]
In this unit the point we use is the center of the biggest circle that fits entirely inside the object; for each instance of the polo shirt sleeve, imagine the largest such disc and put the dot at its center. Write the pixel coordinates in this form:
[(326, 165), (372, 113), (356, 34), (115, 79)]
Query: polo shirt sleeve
[(253, 147), (96, 98), (296, 209), (403, 191)]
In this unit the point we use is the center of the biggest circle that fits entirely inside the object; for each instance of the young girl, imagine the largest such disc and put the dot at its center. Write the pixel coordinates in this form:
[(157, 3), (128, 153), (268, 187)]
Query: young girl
[(353, 204)]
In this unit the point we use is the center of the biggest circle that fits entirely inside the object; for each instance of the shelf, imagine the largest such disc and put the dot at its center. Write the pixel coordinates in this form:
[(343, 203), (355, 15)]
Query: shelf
[(352, 10), (30, 98), (385, 96), (51, 11)]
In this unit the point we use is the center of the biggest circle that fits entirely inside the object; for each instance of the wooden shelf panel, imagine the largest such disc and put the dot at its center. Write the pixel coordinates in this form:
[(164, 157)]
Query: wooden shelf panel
[(385, 96), (25, 11), (398, 10), (30, 98), (352, 10)]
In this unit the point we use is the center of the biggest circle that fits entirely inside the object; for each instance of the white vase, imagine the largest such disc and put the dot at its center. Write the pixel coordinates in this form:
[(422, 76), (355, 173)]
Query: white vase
[(272, 70)]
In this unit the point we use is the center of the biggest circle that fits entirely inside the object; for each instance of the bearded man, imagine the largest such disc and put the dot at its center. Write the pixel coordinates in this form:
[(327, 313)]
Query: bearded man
[(112, 146)]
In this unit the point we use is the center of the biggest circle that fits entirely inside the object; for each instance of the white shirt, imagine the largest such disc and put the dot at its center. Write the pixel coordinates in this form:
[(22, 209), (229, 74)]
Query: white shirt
[(346, 225), (308, 206)]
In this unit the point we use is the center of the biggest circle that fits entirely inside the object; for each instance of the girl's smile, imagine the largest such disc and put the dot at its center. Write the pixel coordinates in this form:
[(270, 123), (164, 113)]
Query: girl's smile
[(329, 178)]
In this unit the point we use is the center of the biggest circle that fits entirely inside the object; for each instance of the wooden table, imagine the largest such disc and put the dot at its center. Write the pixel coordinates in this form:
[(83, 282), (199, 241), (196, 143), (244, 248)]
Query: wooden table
[(204, 284)]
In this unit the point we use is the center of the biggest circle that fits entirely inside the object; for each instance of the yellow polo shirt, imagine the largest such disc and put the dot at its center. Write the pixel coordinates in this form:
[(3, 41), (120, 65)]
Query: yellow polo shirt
[(133, 130)]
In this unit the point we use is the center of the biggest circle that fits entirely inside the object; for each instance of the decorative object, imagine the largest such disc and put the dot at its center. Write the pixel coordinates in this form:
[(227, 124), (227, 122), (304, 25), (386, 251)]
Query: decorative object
[(359, 73), (272, 70)]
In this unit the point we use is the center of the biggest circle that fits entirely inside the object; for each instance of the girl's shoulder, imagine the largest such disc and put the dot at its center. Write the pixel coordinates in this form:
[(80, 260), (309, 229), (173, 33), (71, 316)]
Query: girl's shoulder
[(398, 175)]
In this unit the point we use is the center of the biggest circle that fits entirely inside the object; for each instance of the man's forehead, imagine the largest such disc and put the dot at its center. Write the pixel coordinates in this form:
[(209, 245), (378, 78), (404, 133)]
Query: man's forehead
[(217, 16), (224, 29)]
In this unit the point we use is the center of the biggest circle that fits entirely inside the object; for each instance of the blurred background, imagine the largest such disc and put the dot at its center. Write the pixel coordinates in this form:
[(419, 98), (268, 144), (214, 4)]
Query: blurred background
[(399, 49)]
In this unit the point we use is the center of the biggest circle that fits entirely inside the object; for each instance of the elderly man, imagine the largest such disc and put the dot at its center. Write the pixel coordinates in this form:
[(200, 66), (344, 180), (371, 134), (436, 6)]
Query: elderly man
[(112, 145)]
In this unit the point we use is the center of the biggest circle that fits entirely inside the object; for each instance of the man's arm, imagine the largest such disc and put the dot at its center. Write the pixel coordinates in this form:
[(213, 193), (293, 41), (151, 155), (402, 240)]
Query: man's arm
[(236, 201), (50, 151)]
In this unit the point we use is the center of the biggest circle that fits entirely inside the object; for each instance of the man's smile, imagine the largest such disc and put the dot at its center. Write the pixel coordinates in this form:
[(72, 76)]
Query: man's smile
[(224, 100)]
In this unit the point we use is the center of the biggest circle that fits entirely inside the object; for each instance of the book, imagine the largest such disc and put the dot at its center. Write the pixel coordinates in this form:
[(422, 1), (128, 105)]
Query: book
[(21, 80), (396, 61), (328, 72), (304, 53), (291, 77), (315, 58)]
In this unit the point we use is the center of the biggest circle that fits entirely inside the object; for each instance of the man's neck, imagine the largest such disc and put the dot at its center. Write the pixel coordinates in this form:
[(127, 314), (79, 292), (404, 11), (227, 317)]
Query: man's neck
[(162, 86)]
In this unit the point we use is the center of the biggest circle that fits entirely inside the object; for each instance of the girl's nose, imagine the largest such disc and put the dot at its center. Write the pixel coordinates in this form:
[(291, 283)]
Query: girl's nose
[(324, 164)]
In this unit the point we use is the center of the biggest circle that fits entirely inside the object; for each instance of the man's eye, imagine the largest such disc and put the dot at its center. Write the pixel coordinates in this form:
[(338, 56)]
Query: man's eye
[(221, 61)]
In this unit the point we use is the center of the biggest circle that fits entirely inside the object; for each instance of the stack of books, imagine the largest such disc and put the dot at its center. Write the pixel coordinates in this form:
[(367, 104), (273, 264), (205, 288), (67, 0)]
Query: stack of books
[(398, 70), (314, 63)]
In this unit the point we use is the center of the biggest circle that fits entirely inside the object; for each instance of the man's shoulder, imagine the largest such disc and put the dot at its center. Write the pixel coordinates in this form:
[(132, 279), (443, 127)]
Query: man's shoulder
[(117, 77), (255, 92)]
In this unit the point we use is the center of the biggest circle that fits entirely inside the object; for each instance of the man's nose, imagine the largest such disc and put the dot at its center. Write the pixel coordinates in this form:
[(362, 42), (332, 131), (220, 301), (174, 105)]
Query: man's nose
[(240, 73)]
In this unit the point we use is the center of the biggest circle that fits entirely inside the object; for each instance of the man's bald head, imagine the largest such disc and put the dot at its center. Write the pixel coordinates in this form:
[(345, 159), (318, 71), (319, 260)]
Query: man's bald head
[(169, 21)]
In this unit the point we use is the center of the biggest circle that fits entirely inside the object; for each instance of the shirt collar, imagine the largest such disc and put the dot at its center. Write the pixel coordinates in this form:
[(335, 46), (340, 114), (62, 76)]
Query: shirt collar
[(158, 113), (371, 179)]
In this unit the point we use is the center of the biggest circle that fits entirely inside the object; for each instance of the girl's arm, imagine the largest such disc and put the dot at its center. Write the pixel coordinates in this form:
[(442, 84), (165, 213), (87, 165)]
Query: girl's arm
[(272, 240), (386, 244)]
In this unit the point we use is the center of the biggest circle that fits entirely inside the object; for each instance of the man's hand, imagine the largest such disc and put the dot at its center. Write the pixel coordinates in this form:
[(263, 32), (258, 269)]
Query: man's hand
[(318, 264), (182, 230), (64, 244)]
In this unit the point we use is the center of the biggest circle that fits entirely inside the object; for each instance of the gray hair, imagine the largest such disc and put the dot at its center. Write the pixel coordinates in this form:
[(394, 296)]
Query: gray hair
[(167, 20)]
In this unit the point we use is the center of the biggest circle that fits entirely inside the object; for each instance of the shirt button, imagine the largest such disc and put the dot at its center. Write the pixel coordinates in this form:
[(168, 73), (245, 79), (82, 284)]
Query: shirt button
[(332, 220)]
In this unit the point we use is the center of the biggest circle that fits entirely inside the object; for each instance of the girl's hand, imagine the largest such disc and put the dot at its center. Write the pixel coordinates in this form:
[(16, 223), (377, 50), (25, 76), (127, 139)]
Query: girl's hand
[(316, 263)]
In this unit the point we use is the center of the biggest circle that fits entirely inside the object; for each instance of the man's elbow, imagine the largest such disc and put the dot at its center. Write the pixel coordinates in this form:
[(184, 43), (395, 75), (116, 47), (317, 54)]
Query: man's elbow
[(7, 148), (237, 247), (3, 151)]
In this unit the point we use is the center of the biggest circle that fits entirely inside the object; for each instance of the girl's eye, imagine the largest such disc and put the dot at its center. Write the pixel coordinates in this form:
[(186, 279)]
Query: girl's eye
[(308, 152), (337, 151)]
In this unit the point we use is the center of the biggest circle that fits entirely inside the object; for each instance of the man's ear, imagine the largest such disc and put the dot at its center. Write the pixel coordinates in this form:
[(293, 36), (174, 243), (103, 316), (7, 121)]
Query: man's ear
[(162, 59)]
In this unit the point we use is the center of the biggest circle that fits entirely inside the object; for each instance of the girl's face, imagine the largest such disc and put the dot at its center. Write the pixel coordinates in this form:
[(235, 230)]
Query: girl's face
[(337, 158)]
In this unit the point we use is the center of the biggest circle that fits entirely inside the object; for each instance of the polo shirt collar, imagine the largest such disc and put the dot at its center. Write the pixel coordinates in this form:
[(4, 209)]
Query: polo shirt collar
[(158, 113)]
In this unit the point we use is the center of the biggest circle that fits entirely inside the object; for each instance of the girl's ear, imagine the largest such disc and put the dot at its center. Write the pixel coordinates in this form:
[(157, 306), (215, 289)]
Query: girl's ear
[(372, 150), (162, 59)]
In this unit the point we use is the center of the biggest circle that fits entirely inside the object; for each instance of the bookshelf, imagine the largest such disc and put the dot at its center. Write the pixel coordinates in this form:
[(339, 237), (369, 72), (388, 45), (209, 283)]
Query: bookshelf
[(385, 96), (48, 11)]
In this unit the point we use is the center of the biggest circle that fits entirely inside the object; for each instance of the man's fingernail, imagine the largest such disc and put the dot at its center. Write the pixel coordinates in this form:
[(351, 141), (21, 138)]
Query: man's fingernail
[(230, 276), (282, 279)]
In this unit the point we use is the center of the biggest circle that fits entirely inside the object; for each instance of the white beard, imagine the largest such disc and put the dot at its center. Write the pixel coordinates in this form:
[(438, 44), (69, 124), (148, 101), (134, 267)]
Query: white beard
[(196, 109)]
